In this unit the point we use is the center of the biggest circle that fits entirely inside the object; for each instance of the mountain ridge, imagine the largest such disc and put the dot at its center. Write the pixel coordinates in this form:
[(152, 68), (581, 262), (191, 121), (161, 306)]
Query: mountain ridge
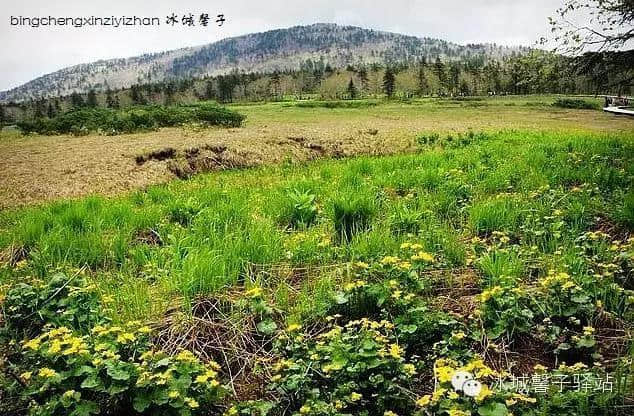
[(274, 50)]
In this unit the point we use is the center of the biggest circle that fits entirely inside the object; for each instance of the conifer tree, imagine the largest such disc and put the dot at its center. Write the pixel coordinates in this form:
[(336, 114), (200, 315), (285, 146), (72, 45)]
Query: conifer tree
[(388, 82), (91, 100), (352, 90)]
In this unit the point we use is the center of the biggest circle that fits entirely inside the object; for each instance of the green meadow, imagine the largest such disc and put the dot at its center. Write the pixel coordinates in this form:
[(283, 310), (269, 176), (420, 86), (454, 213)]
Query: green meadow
[(332, 283)]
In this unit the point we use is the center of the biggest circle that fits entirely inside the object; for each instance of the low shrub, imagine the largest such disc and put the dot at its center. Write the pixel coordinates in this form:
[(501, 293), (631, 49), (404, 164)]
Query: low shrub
[(141, 118), (575, 103), (299, 209), (336, 104), (62, 301)]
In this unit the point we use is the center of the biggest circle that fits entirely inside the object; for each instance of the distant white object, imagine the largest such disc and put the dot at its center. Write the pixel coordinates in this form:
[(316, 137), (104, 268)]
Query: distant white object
[(627, 111), (618, 105)]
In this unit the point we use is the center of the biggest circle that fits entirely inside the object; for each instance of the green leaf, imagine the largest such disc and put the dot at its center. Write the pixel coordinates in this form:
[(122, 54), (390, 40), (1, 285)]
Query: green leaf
[(90, 382), (142, 402), (493, 409), (267, 327), (163, 362), (85, 408), (586, 342), (118, 372), (340, 298)]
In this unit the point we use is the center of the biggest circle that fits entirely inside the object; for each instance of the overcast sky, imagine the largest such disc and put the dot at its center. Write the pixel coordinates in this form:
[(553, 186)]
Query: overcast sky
[(30, 52)]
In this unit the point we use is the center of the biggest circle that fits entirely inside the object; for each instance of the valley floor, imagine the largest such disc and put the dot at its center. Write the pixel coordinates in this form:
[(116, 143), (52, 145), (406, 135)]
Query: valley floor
[(40, 168), (358, 286)]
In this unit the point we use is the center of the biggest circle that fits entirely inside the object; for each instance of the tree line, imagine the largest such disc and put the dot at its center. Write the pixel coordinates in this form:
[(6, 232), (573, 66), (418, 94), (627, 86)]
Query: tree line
[(535, 72)]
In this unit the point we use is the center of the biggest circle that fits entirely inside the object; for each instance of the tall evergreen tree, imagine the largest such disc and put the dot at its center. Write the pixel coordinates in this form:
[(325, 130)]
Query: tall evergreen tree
[(136, 95), (276, 85), (210, 91), (423, 84), (91, 100), (225, 88), (454, 77), (352, 90), (439, 69), (50, 110), (40, 108), (363, 77), (389, 80), (76, 100), (110, 100)]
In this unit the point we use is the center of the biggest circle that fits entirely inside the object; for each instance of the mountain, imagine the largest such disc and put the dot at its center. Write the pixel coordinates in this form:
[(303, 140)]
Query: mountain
[(283, 49)]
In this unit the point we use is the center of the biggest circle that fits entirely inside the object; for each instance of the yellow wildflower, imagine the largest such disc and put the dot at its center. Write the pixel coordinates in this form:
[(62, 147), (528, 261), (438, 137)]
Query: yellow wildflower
[(254, 293), (395, 351), (293, 327), (193, 404), (126, 337), (354, 396), (423, 401), (33, 344), (438, 393), (389, 260), (47, 372), (484, 393), (444, 373), (409, 369), (458, 335)]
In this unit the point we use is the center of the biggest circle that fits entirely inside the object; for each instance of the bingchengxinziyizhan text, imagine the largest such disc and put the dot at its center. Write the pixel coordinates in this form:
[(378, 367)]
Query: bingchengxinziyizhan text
[(172, 20)]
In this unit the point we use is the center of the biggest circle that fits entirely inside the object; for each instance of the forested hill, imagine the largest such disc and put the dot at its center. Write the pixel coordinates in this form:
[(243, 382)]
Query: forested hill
[(300, 47)]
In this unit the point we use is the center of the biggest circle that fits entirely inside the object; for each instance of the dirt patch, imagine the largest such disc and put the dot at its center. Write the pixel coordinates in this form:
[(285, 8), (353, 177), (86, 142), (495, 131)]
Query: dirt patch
[(160, 155), (219, 330), (149, 237), (13, 255), (207, 159)]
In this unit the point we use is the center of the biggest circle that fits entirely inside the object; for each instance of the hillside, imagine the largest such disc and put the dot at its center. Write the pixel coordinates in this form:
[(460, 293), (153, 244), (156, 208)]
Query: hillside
[(282, 49)]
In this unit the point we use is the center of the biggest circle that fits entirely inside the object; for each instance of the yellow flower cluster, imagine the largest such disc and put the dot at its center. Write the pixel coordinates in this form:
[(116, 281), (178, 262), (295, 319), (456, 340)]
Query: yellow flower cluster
[(58, 341), (479, 369), (561, 279), (348, 287), (255, 292), (46, 373), (293, 327), (493, 292)]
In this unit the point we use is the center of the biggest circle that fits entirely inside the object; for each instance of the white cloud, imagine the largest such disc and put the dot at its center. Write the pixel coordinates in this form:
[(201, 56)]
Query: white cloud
[(31, 52)]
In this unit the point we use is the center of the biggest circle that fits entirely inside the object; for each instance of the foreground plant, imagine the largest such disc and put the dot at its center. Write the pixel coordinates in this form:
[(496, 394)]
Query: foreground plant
[(102, 369)]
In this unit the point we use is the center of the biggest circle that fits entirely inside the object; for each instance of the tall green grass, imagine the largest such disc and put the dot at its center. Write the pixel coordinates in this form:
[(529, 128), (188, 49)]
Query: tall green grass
[(213, 229)]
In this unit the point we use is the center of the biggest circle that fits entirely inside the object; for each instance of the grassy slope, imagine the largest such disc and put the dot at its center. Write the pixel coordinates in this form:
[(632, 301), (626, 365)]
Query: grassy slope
[(39, 168), (214, 226)]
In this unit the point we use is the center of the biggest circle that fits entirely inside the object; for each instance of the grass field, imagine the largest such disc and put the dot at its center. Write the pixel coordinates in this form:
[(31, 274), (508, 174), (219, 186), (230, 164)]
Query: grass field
[(490, 236), (38, 168)]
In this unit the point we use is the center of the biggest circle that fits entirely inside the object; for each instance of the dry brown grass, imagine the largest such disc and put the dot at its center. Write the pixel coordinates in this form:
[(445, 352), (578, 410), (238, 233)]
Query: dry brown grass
[(40, 168)]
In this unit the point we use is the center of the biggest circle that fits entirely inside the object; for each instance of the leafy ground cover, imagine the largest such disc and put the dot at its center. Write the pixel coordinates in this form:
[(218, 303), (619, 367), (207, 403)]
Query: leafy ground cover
[(354, 286)]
